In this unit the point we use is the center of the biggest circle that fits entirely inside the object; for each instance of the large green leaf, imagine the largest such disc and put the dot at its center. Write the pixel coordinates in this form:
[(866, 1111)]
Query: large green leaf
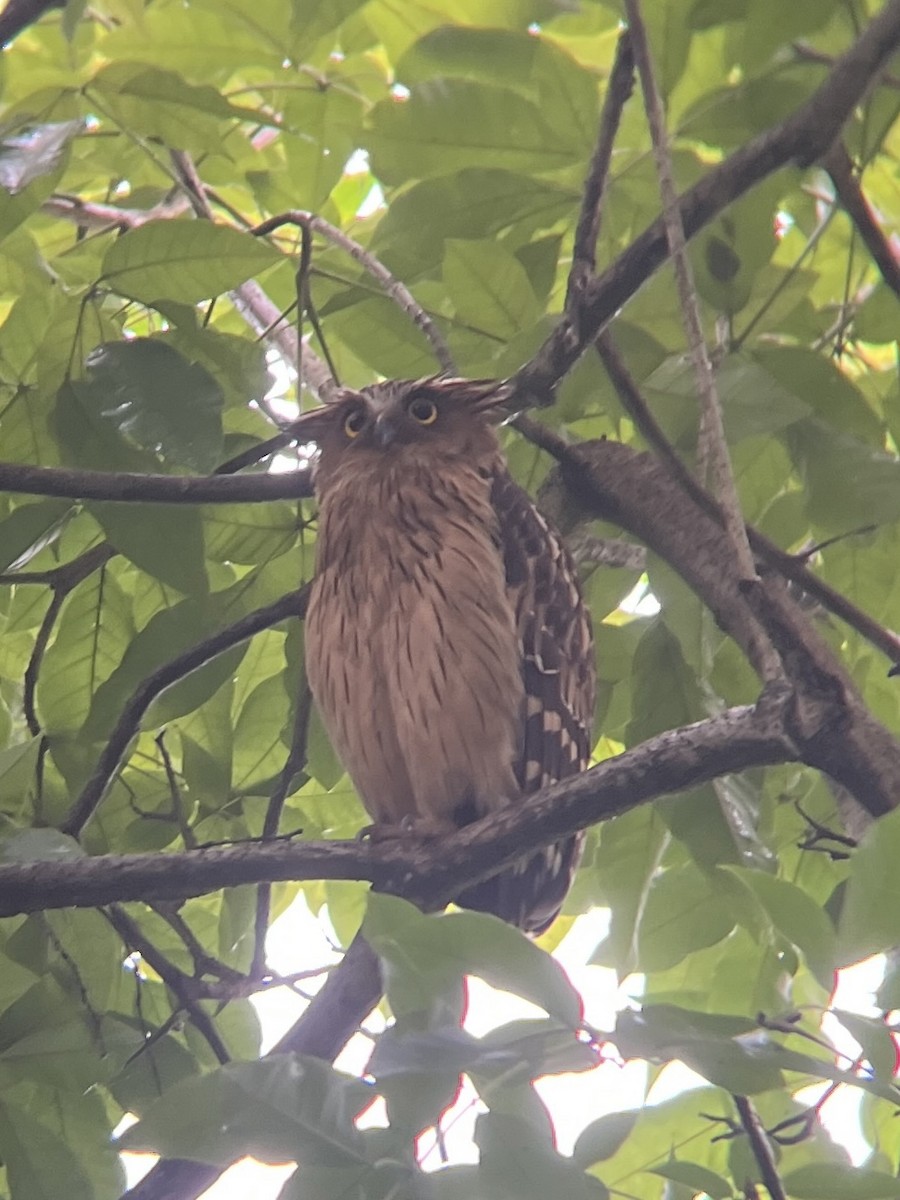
[(435, 949), (489, 287), (870, 913), (278, 1109), (161, 104), (164, 540), (157, 400), (185, 261), (450, 124), (39, 1164), (93, 632)]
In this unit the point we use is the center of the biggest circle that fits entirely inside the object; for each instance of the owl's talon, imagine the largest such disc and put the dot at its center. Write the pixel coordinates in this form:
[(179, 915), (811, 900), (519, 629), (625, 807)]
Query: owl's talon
[(420, 828)]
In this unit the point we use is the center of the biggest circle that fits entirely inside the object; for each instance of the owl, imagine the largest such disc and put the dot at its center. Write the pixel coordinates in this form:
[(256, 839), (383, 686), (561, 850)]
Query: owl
[(448, 647)]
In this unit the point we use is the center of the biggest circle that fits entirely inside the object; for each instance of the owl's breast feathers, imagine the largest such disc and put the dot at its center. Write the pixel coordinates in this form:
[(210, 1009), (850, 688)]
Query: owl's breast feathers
[(450, 655)]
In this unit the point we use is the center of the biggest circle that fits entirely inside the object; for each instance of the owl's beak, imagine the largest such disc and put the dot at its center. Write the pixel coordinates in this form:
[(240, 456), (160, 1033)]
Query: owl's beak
[(385, 430)]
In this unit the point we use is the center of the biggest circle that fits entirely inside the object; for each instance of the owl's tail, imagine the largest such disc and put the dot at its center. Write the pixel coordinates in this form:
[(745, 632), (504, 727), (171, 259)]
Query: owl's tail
[(531, 892)]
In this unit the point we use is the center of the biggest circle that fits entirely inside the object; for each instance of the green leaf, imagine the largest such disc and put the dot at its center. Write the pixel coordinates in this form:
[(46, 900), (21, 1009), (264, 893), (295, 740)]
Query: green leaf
[(249, 533), (450, 945), (848, 483), (18, 765), (39, 1164), (28, 529), (321, 760), (837, 1182), (93, 632), (870, 914), (876, 1040), (38, 845), (37, 152), (185, 261), (158, 400), (685, 911), (468, 204), (166, 635), (726, 1051), (695, 1178), (489, 287), (165, 540), (565, 93), (278, 1109), (603, 1137), (161, 104), (450, 124), (515, 1163)]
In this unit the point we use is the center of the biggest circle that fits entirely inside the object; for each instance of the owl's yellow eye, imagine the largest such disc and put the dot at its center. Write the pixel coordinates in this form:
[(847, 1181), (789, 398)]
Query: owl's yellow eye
[(423, 411), (354, 422)]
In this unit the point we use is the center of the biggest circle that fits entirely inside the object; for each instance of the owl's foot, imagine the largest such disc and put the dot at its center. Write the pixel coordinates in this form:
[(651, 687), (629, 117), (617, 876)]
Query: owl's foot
[(409, 828)]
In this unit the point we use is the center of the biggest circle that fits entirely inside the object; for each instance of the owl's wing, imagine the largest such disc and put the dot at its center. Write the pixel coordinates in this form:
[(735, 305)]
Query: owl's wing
[(556, 645), (554, 627)]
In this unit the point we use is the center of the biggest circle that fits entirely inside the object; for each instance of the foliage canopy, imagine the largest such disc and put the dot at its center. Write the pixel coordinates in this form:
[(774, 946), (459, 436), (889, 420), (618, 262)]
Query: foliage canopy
[(151, 678)]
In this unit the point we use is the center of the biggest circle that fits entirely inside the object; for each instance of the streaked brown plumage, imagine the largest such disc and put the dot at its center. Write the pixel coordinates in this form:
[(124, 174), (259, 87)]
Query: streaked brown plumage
[(447, 645)]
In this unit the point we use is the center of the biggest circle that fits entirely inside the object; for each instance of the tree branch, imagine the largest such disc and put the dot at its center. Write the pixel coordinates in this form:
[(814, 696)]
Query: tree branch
[(848, 190), (19, 14), (802, 138), (395, 288), (760, 1148), (584, 251), (161, 489), (830, 724), (427, 871), (712, 446), (348, 994)]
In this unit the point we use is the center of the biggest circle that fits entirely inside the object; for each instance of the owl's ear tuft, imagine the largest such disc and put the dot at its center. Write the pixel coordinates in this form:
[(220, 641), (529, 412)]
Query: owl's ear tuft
[(313, 425), (486, 397)]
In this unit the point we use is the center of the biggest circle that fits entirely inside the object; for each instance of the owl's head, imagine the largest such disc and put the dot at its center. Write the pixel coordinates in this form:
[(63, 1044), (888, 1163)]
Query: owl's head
[(442, 416)]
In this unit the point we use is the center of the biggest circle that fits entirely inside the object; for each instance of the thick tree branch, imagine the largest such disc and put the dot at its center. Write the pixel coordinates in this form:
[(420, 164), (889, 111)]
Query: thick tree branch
[(349, 993), (19, 14), (160, 489), (829, 723), (801, 138), (429, 872), (789, 566)]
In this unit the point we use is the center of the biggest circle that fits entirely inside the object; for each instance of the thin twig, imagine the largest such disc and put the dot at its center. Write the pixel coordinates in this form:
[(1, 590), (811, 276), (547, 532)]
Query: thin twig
[(584, 251), (809, 53), (179, 984), (848, 190), (252, 302), (712, 444), (760, 1148), (294, 762), (41, 642), (397, 290), (177, 810)]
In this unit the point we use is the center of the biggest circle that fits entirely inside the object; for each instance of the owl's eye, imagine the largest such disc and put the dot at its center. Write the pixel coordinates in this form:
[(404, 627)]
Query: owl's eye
[(354, 422), (423, 411)]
